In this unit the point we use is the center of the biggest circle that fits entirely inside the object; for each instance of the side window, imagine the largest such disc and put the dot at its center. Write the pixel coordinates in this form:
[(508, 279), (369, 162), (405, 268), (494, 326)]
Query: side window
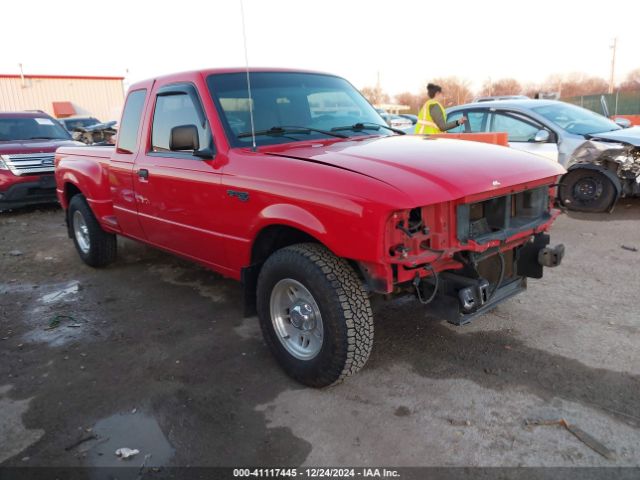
[(477, 121), (131, 116), (174, 111), (518, 129), (452, 118)]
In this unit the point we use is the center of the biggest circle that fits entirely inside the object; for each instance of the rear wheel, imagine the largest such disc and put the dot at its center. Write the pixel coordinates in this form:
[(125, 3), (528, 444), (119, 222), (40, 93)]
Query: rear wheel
[(96, 247), (587, 190), (315, 315)]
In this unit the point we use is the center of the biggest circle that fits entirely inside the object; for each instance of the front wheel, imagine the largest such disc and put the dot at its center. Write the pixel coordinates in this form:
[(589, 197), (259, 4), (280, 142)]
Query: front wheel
[(314, 314), (96, 247), (587, 190)]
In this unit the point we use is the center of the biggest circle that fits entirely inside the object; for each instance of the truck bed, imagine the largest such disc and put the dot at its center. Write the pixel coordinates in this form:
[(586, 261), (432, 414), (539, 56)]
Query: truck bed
[(87, 151)]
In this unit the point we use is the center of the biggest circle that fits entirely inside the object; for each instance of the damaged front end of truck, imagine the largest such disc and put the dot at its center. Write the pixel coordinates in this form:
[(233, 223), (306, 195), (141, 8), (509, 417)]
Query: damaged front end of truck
[(463, 258)]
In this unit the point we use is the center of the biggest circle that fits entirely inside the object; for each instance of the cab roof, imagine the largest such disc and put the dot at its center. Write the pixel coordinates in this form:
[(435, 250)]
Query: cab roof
[(205, 72)]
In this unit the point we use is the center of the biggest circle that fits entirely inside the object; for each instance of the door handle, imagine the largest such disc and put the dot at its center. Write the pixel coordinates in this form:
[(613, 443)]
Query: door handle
[(143, 173)]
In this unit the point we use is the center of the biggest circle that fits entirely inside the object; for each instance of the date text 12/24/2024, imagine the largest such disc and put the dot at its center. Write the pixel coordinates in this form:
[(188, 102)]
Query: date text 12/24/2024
[(316, 473)]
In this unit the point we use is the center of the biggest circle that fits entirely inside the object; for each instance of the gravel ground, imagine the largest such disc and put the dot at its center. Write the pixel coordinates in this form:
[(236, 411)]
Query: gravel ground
[(153, 353)]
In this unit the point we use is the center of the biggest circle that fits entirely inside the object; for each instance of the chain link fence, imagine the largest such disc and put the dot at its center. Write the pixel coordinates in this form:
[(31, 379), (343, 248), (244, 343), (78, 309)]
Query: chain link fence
[(619, 103)]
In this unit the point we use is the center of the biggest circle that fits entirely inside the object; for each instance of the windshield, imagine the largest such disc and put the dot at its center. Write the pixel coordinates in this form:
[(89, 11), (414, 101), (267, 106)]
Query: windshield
[(577, 120), (72, 123), (31, 128), (303, 100)]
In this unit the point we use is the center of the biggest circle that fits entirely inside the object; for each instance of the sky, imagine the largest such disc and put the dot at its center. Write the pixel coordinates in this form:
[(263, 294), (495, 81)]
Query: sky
[(406, 42)]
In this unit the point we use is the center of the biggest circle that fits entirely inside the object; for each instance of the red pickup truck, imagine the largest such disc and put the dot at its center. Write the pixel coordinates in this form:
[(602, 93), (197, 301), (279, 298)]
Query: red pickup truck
[(300, 191), (28, 141)]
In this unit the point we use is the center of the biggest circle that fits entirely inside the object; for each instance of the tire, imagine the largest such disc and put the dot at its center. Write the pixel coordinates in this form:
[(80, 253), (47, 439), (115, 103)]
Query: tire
[(96, 247), (586, 190), (338, 304)]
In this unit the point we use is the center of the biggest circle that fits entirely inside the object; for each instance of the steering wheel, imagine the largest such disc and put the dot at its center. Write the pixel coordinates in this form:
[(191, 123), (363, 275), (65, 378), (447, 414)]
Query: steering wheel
[(323, 117), (573, 124)]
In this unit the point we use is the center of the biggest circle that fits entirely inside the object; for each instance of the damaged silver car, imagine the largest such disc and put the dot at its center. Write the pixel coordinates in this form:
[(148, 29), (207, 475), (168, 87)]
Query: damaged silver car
[(602, 157), (600, 171)]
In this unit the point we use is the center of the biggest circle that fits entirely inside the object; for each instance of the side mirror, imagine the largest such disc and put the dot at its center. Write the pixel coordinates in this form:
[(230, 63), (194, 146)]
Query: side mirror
[(622, 122), (542, 136), (184, 138)]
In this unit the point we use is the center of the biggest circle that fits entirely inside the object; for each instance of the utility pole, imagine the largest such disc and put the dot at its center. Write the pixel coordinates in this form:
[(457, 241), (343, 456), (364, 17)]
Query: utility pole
[(22, 82), (613, 63)]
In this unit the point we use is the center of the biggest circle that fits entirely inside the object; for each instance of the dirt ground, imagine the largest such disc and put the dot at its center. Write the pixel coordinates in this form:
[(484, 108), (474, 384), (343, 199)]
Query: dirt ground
[(153, 353)]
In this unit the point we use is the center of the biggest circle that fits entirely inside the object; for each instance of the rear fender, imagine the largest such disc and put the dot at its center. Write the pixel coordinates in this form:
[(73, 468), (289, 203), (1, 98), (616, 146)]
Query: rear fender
[(91, 179)]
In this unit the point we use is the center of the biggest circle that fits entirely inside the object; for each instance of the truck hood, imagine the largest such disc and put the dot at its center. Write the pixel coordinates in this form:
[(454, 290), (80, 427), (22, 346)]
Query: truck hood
[(34, 146), (626, 135), (427, 170)]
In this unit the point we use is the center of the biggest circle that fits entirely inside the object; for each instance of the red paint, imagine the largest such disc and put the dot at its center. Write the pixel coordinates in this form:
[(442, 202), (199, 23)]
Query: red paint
[(63, 109), (347, 193), (634, 119), (495, 138)]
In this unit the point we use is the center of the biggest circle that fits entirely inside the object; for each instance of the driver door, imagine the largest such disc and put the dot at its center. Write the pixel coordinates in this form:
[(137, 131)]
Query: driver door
[(522, 132), (178, 188)]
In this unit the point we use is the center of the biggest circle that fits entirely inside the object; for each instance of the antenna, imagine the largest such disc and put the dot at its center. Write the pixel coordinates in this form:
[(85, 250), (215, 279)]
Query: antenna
[(246, 61)]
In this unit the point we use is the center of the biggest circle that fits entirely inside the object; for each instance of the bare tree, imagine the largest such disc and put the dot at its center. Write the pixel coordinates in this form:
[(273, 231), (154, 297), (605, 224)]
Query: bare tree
[(375, 95), (531, 90), (455, 91), (415, 101), (631, 82), (575, 84), (503, 86)]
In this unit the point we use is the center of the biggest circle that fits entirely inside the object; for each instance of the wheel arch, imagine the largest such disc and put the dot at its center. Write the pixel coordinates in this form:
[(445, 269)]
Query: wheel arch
[(599, 168), (69, 190), (275, 235), (268, 239)]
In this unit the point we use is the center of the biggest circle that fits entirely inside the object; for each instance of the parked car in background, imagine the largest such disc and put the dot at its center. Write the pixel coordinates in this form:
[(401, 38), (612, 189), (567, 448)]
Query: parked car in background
[(410, 116), (314, 210), (399, 122), (602, 158), (396, 121), (28, 141), (98, 134), (71, 123)]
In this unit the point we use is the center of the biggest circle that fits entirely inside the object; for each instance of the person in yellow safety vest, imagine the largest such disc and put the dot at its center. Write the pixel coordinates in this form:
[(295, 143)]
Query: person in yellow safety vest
[(432, 118)]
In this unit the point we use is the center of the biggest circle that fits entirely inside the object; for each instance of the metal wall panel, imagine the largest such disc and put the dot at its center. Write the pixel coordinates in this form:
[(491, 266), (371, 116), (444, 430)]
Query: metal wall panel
[(100, 97)]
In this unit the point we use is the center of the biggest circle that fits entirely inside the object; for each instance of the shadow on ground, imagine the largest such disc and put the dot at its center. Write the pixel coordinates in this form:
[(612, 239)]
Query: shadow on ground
[(625, 209), (497, 360)]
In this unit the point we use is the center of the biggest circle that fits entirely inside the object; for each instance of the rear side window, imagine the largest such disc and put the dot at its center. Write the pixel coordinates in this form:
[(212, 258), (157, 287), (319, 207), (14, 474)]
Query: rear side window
[(173, 111), (131, 116)]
